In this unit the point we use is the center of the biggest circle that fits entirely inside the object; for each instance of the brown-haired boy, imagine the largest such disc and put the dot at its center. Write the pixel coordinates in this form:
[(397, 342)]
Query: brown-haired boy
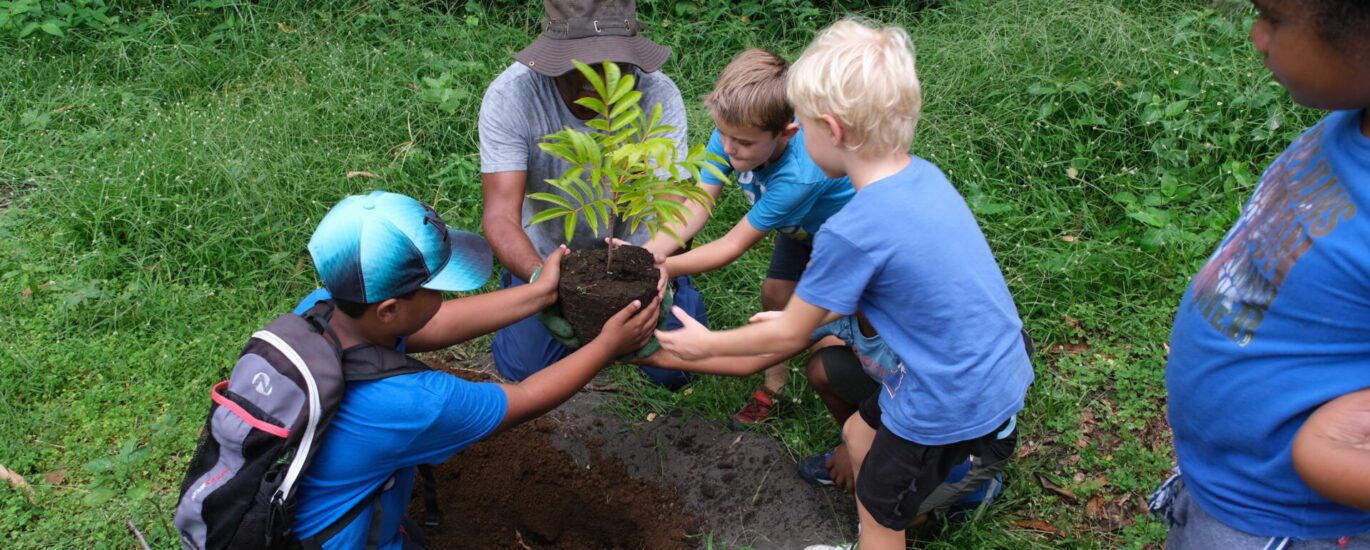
[(757, 133)]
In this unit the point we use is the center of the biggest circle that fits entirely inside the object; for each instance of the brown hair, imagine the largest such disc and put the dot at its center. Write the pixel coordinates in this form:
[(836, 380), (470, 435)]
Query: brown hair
[(751, 92)]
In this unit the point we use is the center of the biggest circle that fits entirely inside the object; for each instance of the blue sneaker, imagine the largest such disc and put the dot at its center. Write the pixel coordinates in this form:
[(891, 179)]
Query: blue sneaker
[(814, 469)]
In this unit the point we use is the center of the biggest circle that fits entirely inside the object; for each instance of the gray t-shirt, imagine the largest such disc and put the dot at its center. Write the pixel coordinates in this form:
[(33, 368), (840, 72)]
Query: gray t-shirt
[(522, 106)]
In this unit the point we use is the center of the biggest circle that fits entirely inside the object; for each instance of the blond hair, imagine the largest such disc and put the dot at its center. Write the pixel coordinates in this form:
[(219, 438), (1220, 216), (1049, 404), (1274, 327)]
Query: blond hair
[(864, 76), (751, 92)]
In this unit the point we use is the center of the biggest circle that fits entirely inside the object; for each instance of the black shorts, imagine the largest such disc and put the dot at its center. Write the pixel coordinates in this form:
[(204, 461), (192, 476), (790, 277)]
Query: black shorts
[(845, 375), (898, 475), (790, 257)]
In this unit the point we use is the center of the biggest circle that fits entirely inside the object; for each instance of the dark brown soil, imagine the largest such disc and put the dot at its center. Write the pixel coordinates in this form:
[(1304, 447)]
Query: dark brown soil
[(590, 296), (516, 490), (581, 477)]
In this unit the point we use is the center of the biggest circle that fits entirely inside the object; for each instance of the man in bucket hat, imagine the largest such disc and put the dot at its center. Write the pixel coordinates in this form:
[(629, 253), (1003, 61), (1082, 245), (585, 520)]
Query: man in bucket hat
[(534, 97)]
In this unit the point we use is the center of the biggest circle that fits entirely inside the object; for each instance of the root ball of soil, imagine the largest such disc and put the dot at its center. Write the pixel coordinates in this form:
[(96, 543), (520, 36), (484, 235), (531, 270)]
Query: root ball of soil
[(590, 294)]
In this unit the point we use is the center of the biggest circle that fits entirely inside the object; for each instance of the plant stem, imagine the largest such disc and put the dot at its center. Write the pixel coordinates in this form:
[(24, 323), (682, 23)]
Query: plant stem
[(609, 258)]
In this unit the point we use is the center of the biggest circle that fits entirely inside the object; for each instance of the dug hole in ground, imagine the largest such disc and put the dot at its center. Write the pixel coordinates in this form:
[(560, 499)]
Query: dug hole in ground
[(582, 477)]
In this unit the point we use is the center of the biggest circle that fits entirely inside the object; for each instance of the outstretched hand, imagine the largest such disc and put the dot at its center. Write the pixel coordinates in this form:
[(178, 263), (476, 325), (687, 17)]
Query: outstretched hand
[(688, 341), (631, 328), (549, 275)]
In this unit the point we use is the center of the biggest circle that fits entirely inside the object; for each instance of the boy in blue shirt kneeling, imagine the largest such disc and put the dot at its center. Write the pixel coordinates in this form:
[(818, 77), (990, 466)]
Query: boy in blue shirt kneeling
[(790, 195), (385, 260), (908, 253)]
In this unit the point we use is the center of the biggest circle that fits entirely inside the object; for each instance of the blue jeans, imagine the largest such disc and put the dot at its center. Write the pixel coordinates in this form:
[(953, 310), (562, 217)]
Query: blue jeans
[(1192, 528), (526, 347)]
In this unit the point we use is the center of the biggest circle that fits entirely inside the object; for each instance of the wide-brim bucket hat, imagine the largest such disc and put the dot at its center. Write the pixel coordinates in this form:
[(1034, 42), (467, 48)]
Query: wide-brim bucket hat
[(591, 31)]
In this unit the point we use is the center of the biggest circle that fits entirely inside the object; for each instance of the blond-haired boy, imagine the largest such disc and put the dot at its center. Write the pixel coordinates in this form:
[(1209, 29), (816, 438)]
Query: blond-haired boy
[(907, 251), (756, 132)]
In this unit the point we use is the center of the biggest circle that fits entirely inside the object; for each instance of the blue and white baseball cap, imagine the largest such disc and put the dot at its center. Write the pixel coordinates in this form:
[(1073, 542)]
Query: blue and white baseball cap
[(370, 248)]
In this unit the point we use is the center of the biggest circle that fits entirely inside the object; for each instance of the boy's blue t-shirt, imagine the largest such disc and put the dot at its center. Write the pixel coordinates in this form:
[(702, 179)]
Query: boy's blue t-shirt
[(876, 358), (1273, 326), (386, 427), (791, 195), (908, 253)]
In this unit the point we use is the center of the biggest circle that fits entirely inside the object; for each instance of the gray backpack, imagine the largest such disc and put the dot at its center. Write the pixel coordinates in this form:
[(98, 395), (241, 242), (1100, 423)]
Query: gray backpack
[(264, 428)]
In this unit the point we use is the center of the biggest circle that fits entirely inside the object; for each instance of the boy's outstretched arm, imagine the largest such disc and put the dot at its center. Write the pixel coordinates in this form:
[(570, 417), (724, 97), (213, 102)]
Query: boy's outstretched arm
[(462, 319), (726, 366), (785, 332), (628, 330), (1332, 450), (717, 253)]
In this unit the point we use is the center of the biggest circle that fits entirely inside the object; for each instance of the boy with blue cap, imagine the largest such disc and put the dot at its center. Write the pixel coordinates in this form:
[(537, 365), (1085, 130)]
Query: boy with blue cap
[(385, 260)]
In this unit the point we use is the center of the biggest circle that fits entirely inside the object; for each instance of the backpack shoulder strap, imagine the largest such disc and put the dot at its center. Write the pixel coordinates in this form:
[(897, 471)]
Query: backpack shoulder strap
[(373, 535), (368, 362)]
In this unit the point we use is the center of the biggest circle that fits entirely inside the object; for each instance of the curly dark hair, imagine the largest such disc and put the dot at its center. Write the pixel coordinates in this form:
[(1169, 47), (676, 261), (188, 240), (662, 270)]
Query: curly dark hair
[(1345, 23)]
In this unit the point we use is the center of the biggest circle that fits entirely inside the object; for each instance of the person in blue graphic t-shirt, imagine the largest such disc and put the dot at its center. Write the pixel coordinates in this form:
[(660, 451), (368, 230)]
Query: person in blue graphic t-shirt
[(1276, 325), (908, 253), (790, 195), (385, 260)]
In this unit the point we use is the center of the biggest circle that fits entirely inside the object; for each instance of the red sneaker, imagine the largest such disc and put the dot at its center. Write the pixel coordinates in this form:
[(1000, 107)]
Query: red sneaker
[(756, 410)]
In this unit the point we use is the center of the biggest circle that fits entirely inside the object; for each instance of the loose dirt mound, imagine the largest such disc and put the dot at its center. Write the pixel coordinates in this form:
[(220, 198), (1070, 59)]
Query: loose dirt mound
[(583, 478), (517, 490)]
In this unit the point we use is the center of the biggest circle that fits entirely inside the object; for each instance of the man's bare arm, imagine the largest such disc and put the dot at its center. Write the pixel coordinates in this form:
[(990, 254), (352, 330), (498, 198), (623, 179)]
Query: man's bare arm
[(502, 222)]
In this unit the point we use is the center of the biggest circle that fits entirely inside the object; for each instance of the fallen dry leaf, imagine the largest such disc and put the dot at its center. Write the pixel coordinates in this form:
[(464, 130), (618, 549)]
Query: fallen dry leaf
[(362, 173), (1055, 489), (1038, 525), (1073, 322), (1095, 509), (55, 478), (26, 293), (1068, 238)]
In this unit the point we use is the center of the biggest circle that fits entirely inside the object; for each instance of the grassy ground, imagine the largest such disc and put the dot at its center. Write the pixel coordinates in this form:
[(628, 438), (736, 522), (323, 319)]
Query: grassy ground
[(159, 183)]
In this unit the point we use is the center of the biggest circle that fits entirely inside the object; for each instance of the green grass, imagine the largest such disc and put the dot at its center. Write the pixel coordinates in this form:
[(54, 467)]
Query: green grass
[(166, 178)]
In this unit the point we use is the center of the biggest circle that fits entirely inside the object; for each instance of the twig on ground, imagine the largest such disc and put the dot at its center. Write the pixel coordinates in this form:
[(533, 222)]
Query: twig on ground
[(141, 539), (757, 494)]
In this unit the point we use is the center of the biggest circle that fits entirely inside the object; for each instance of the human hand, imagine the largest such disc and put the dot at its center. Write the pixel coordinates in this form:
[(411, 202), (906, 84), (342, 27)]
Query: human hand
[(631, 328), (550, 275), (687, 342), (765, 316)]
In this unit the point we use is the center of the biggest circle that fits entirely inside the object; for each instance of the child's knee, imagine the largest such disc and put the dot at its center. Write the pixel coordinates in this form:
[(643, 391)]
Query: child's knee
[(818, 378), (855, 429), (775, 293)]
